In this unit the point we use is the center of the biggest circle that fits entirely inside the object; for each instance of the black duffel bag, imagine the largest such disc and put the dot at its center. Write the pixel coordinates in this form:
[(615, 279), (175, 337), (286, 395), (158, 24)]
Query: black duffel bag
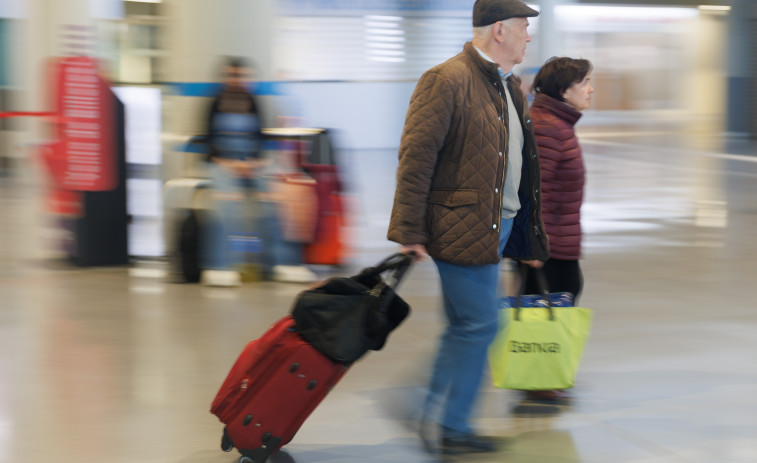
[(346, 317)]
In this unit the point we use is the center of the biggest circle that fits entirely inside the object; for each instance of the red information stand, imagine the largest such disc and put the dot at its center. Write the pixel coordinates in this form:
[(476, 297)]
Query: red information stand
[(87, 163), (81, 158)]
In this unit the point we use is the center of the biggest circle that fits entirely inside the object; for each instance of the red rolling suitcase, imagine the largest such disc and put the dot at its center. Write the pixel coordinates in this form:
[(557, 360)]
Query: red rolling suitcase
[(279, 379), (275, 384)]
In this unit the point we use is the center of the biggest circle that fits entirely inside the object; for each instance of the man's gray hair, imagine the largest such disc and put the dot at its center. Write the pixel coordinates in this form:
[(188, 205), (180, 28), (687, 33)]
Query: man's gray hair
[(482, 31)]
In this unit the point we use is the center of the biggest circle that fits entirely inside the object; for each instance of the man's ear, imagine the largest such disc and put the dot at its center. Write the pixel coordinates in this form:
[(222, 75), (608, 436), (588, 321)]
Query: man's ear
[(498, 31)]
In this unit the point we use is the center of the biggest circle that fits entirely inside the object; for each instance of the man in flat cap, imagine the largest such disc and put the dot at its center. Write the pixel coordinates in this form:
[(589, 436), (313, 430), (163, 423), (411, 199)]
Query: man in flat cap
[(467, 195)]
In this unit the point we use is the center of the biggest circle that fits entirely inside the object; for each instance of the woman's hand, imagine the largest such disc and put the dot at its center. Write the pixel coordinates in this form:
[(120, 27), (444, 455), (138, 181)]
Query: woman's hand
[(533, 263)]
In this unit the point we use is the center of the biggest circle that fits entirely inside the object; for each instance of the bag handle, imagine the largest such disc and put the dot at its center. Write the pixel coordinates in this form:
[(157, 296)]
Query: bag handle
[(541, 283), (398, 262)]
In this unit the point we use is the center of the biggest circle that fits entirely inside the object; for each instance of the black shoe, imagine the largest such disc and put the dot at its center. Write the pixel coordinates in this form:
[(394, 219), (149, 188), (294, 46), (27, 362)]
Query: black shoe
[(551, 396), (470, 443)]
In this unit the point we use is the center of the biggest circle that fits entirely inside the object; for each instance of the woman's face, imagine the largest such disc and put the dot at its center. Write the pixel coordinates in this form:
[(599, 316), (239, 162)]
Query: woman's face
[(578, 95)]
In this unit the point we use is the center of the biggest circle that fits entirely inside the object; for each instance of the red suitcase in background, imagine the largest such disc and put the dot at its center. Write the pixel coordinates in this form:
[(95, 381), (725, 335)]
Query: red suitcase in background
[(328, 246), (314, 153), (275, 384)]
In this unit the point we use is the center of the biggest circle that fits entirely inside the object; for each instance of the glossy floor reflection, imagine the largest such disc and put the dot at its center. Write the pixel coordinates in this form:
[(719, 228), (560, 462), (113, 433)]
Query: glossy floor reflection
[(116, 365)]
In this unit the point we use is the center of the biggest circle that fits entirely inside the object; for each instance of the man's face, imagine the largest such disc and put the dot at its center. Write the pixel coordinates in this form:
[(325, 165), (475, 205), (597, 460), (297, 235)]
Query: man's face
[(237, 76), (516, 38)]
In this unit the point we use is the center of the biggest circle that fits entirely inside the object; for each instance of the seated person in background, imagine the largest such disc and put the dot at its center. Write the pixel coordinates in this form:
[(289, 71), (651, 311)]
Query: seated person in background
[(239, 175)]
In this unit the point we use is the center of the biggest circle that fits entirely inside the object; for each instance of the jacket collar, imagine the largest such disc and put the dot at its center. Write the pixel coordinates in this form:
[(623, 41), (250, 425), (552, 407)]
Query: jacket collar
[(559, 108), (488, 68)]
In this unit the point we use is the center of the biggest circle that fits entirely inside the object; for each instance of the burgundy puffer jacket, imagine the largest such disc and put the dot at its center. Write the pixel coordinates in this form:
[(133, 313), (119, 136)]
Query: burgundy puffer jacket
[(562, 174)]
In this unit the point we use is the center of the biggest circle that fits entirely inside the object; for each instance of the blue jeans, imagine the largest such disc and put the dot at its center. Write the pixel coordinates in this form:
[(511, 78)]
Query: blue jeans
[(230, 220), (227, 220), (470, 304)]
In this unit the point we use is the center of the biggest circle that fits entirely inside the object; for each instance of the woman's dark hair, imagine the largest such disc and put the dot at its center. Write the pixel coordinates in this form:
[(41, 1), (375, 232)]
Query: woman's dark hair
[(558, 74)]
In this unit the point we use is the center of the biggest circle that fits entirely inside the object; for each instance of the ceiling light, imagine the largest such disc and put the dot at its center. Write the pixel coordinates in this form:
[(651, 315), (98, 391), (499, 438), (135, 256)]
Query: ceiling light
[(714, 7)]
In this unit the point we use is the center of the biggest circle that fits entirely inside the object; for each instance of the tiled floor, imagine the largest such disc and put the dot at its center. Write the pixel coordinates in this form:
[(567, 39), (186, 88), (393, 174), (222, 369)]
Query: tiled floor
[(115, 365)]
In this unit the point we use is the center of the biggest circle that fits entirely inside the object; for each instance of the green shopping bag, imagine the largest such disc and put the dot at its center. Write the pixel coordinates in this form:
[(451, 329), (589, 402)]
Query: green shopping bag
[(538, 348)]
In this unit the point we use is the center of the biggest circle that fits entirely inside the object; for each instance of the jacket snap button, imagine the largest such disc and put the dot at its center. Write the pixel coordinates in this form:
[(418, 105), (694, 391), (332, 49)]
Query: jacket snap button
[(500, 153), (494, 226), (496, 190)]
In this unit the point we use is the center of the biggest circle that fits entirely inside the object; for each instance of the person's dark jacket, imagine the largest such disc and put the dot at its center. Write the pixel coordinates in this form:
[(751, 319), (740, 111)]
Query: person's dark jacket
[(234, 125), (452, 161), (562, 174)]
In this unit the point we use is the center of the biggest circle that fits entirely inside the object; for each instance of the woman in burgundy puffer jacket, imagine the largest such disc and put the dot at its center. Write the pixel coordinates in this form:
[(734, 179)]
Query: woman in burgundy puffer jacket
[(562, 89)]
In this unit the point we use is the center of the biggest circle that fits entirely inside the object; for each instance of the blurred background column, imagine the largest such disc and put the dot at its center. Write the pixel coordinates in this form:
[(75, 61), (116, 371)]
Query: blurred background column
[(11, 14), (57, 28), (742, 68), (199, 36), (549, 43)]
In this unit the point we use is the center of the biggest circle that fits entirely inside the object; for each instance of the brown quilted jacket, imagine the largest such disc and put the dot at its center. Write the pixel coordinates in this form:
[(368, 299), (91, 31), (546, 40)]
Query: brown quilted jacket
[(452, 162)]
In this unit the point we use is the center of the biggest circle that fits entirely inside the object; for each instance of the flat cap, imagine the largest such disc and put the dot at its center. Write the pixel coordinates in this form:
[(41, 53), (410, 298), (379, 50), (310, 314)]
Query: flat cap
[(487, 12)]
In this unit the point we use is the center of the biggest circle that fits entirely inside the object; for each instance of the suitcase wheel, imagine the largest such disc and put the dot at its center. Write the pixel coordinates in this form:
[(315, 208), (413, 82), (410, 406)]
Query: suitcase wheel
[(246, 460), (226, 443)]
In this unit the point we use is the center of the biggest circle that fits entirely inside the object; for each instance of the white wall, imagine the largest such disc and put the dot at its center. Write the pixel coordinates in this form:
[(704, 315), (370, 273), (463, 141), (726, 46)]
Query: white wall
[(367, 115)]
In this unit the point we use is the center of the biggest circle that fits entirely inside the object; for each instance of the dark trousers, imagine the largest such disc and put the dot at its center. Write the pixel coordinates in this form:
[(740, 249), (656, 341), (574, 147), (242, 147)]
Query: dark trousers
[(561, 275)]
